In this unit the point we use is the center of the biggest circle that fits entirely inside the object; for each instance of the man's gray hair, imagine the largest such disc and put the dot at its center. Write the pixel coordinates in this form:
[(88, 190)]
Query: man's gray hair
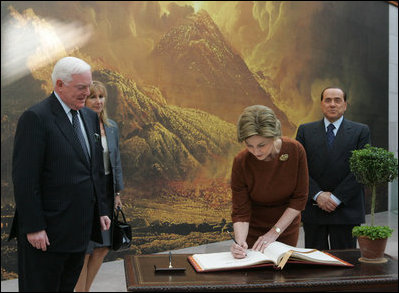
[(66, 67)]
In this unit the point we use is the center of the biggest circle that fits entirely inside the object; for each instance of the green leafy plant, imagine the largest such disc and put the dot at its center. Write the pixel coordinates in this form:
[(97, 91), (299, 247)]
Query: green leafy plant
[(373, 166), (372, 232)]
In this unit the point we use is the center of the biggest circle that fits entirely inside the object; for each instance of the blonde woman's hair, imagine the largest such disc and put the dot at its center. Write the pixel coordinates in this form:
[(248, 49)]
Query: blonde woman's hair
[(99, 87), (258, 120)]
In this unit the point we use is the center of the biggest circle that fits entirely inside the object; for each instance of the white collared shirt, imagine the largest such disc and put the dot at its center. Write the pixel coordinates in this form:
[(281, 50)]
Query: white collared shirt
[(337, 124)]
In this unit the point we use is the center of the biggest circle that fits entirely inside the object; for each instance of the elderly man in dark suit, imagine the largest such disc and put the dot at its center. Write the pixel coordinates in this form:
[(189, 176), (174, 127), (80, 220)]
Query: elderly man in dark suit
[(58, 181), (336, 200)]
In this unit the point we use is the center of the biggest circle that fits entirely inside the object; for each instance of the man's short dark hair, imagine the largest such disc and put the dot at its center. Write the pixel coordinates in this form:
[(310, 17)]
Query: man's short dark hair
[(332, 87)]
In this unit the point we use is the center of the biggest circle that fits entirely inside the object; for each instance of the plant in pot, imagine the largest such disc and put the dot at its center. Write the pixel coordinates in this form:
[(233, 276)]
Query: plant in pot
[(373, 166)]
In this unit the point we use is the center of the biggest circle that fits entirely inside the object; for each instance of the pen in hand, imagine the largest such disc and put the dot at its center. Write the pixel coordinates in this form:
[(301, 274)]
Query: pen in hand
[(231, 236)]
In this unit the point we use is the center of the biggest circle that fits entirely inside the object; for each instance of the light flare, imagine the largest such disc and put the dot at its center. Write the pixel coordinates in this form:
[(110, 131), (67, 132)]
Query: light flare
[(197, 5), (30, 43)]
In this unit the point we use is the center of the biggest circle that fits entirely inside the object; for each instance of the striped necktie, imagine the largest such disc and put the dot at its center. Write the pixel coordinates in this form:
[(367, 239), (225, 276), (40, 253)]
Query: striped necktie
[(79, 133), (330, 135)]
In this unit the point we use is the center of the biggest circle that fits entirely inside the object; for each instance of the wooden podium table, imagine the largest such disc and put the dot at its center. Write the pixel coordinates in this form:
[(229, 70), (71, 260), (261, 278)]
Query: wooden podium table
[(141, 277)]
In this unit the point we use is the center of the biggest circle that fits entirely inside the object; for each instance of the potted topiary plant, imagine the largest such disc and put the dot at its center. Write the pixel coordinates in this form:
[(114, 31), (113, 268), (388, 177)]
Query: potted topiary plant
[(373, 166)]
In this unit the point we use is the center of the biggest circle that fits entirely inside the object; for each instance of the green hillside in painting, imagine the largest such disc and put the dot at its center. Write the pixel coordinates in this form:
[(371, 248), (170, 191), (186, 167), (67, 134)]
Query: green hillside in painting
[(161, 142)]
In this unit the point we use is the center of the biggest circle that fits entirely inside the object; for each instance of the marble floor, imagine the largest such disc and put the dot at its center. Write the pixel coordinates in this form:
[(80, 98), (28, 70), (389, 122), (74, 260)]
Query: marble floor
[(111, 277)]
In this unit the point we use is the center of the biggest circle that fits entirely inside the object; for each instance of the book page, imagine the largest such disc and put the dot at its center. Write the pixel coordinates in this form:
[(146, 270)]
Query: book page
[(276, 251), (317, 256), (272, 254), (221, 260)]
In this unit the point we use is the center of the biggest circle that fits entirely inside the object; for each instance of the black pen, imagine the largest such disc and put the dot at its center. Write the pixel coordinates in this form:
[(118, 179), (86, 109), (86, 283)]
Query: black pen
[(231, 236)]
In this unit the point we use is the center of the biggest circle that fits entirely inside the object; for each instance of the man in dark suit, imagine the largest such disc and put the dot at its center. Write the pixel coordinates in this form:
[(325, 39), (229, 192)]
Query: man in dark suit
[(336, 200), (59, 183)]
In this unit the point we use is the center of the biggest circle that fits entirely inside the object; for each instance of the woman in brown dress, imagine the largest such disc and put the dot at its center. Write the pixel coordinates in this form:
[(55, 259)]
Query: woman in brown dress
[(269, 183)]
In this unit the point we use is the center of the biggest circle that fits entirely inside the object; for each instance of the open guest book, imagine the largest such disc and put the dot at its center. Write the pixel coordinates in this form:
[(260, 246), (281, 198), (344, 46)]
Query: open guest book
[(277, 254)]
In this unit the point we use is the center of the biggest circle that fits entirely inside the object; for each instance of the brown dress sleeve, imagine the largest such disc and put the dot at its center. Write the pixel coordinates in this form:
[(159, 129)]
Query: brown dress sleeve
[(241, 203)]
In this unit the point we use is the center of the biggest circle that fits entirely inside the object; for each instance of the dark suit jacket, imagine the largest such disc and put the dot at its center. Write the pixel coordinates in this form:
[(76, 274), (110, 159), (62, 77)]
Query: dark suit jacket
[(330, 171), (56, 189), (112, 133)]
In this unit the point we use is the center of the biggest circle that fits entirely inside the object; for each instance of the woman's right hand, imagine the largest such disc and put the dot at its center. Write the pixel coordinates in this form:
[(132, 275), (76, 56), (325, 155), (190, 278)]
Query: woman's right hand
[(239, 251), (117, 202)]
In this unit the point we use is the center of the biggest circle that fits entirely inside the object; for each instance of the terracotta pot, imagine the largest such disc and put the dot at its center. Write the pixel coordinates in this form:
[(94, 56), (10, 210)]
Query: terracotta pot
[(372, 251)]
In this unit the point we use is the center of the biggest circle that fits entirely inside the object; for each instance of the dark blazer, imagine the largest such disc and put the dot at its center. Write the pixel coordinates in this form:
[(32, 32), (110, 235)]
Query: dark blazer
[(112, 134), (56, 189), (329, 171)]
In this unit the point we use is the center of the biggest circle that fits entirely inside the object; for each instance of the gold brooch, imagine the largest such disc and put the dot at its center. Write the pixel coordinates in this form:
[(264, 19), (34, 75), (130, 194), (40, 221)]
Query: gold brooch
[(284, 157)]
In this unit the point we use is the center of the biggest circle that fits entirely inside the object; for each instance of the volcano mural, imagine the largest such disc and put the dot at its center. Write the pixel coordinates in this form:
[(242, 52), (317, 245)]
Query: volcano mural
[(178, 75)]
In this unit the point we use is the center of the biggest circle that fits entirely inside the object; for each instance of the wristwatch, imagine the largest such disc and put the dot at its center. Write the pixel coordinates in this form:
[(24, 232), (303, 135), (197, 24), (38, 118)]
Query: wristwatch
[(277, 229)]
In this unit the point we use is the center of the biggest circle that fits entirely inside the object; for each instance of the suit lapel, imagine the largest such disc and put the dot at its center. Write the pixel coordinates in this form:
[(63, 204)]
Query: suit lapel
[(345, 132), (319, 139), (109, 132), (320, 132), (66, 128)]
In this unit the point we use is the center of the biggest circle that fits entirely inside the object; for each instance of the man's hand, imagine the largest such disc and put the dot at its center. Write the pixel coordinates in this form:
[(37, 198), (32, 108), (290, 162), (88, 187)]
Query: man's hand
[(325, 202), (38, 240), (105, 222)]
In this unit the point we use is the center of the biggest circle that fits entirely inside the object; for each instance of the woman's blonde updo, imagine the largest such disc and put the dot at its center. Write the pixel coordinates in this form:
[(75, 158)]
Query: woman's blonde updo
[(258, 120)]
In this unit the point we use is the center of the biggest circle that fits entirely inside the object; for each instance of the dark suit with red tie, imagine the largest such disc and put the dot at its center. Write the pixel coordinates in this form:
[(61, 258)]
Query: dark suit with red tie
[(56, 189), (329, 171)]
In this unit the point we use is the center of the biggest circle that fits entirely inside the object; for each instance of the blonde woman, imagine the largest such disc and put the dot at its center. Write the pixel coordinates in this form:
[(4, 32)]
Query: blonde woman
[(269, 183), (114, 183)]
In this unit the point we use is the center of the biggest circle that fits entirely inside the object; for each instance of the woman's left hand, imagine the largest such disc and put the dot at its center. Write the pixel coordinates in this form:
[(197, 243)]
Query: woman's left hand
[(264, 241)]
